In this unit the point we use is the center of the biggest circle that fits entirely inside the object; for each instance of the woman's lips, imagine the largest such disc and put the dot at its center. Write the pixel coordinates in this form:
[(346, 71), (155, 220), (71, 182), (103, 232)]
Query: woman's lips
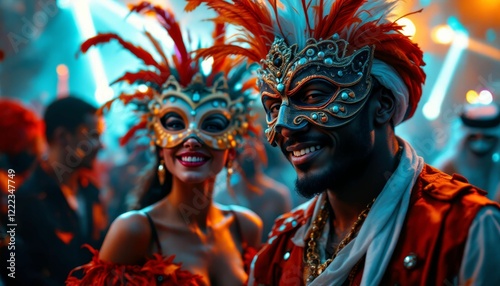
[(192, 159)]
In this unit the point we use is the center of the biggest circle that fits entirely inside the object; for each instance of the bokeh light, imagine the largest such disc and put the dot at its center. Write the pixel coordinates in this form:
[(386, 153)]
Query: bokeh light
[(443, 34), (206, 65), (491, 35), (485, 97), (409, 28), (62, 70), (471, 96), (143, 88)]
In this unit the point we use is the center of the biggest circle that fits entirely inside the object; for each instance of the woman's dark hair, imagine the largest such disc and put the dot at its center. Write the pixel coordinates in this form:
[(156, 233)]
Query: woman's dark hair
[(149, 190)]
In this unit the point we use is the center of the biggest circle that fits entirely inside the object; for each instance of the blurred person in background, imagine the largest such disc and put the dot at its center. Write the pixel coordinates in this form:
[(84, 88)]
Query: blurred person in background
[(58, 207), (474, 149), (21, 144), (194, 119), (250, 187), (22, 141)]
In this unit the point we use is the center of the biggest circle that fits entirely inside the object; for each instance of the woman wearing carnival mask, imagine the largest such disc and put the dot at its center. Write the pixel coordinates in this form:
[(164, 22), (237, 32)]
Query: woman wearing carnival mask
[(194, 121)]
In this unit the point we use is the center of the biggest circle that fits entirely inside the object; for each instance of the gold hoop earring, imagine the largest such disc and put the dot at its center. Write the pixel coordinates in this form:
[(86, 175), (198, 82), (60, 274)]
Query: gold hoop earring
[(161, 172), (230, 170)]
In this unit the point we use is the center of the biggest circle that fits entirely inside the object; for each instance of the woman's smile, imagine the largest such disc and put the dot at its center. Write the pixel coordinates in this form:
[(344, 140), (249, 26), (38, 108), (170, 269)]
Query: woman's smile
[(192, 159)]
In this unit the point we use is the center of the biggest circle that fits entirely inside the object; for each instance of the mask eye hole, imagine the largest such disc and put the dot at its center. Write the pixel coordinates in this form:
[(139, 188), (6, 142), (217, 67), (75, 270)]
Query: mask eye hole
[(314, 93), (314, 97), (173, 122), (215, 123), (274, 109), (271, 106)]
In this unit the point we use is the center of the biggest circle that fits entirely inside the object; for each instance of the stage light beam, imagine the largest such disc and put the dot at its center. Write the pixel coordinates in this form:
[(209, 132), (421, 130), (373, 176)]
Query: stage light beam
[(432, 107), (81, 12)]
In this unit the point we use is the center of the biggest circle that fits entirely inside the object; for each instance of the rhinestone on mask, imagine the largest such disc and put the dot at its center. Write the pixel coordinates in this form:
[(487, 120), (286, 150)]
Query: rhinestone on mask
[(280, 87), (196, 97), (277, 61)]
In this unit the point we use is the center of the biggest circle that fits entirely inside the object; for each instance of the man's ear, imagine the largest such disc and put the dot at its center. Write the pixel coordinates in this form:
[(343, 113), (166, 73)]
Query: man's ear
[(386, 105)]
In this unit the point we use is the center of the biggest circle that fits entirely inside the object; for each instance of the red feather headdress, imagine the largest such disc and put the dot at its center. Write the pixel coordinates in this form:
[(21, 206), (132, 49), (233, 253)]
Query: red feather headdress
[(20, 127), (359, 22), (180, 64)]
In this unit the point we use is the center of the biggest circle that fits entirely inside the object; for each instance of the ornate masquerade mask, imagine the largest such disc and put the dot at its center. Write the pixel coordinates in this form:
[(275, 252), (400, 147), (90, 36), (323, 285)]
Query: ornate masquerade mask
[(285, 72), (311, 51), (180, 101), (207, 114)]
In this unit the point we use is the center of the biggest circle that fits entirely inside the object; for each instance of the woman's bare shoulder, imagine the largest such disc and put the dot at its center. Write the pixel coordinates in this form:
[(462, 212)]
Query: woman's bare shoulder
[(128, 240)]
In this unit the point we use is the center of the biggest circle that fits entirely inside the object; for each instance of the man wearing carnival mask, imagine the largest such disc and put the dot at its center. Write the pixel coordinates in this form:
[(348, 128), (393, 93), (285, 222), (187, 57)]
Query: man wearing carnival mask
[(336, 78)]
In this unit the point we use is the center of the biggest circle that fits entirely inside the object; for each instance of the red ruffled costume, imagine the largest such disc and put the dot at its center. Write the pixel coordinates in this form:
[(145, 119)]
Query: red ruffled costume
[(157, 270)]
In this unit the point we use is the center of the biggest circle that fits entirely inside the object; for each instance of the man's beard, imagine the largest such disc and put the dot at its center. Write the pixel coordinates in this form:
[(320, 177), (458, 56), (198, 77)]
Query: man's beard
[(311, 185)]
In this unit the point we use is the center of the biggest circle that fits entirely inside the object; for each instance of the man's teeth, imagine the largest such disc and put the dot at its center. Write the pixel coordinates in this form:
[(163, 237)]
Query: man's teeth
[(305, 151), (192, 159)]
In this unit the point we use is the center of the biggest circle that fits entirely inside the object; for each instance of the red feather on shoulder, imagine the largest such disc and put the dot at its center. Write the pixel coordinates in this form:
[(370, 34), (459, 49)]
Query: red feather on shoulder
[(156, 271)]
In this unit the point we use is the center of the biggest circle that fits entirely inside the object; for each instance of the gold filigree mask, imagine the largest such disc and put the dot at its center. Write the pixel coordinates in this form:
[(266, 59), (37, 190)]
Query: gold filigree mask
[(285, 72), (205, 113)]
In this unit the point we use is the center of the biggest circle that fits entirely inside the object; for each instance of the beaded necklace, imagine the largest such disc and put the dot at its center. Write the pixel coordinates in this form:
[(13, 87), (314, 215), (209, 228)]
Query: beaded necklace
[(314, 267)]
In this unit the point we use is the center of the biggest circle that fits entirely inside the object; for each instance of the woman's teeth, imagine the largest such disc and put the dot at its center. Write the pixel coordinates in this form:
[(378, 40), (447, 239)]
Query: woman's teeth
[(192, 159)]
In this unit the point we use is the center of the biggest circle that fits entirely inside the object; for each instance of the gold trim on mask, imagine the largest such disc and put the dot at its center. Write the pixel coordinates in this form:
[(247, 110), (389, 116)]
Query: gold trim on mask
[(194, 104), (285, 71)]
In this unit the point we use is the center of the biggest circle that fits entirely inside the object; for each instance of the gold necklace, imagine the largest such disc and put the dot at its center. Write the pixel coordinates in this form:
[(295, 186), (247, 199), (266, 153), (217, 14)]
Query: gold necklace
[(314, 266)]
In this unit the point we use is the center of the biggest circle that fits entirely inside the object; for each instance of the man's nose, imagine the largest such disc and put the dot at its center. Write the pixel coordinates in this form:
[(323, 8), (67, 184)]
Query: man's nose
[(285, 124)]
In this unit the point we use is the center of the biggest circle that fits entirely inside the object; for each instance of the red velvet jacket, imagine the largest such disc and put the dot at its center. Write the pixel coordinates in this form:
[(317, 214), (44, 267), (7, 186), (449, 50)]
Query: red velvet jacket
[(440, 213)]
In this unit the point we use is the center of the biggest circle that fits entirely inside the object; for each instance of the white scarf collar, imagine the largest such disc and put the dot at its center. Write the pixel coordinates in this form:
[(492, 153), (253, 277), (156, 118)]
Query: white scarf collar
[(379, 234)]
